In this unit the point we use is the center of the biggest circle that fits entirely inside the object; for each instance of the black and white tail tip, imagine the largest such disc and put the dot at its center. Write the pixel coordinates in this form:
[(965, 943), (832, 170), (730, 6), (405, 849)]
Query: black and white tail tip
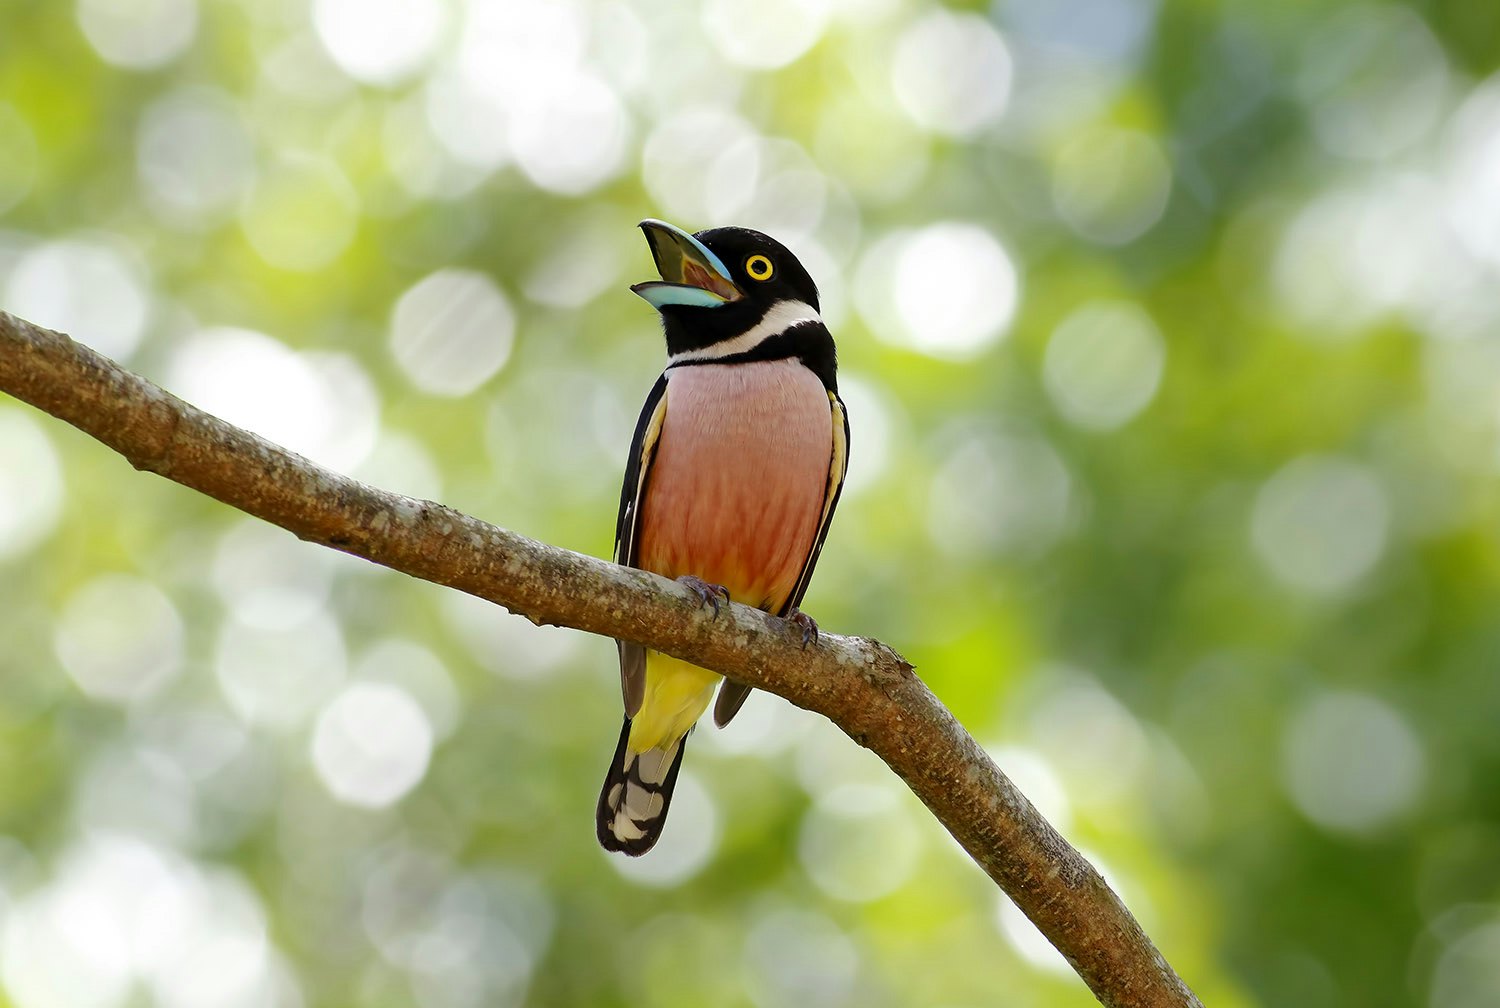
[(637, 792)]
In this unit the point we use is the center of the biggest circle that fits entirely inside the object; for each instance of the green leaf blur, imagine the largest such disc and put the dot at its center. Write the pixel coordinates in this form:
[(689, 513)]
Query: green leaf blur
[(1169, 338)]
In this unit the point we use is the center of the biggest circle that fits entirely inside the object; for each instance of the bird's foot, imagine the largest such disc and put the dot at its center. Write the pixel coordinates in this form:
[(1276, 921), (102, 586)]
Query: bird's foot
[(708, 593), (806, 624)]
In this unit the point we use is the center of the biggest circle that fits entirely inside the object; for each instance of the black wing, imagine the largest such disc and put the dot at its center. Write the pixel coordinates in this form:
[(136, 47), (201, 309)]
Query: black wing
[(732, 694), (632, 491)]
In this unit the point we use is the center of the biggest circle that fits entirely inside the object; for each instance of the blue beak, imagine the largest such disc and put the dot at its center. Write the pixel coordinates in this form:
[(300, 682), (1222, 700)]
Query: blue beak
[(691, 275)]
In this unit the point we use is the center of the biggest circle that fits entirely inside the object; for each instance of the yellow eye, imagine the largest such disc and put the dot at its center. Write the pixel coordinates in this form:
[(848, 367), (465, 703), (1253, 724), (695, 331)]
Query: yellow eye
[(759, 267)]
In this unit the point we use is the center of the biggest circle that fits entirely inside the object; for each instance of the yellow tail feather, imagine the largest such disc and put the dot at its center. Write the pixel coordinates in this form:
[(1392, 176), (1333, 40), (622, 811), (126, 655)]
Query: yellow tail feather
[(676, 695)]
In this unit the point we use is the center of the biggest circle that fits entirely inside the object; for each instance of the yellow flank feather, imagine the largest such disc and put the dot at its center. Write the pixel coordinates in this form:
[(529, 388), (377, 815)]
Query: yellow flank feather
[(676, 694)]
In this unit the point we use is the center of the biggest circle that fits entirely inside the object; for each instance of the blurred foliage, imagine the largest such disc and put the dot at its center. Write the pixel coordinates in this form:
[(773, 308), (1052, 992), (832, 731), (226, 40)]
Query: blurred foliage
[(1168, 333)]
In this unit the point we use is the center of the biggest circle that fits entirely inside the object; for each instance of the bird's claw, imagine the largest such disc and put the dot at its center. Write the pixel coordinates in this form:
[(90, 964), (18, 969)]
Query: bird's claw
[(806, 624), (708, 593)]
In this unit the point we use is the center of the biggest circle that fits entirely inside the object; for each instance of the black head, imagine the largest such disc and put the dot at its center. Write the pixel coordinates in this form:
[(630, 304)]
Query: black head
[(720, 283), (761, 266)]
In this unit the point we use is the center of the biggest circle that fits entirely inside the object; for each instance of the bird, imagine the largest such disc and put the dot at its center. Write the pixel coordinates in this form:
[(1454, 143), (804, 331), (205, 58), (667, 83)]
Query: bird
[(733, 476)]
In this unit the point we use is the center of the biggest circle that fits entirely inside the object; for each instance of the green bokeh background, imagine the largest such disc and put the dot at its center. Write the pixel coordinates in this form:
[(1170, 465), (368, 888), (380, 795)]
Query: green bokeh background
[(1193, 524)]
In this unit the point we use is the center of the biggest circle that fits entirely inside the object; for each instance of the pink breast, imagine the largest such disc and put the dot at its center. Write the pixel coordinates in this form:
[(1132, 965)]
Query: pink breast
[(736, 492)]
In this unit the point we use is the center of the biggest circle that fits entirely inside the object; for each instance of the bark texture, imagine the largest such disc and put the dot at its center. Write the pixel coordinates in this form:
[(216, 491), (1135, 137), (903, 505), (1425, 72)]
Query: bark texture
[(861, 685)]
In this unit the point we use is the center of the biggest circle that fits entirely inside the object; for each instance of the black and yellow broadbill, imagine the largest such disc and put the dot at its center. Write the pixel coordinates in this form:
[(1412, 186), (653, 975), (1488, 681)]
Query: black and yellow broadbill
[(731, 482)]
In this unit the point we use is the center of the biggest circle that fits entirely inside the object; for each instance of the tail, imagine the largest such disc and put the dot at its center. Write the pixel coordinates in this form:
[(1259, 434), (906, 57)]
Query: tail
[(637, 791)]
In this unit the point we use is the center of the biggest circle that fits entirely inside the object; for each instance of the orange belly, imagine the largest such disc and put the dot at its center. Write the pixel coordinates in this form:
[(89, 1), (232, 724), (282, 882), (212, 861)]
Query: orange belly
[(736, 491)]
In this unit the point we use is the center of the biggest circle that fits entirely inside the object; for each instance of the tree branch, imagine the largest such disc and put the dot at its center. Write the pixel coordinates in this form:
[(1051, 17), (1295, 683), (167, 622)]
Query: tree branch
[(861, 685)]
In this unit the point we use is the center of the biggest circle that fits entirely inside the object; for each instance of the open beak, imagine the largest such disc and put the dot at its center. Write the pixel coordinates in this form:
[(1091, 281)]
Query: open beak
[(690, 274)]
